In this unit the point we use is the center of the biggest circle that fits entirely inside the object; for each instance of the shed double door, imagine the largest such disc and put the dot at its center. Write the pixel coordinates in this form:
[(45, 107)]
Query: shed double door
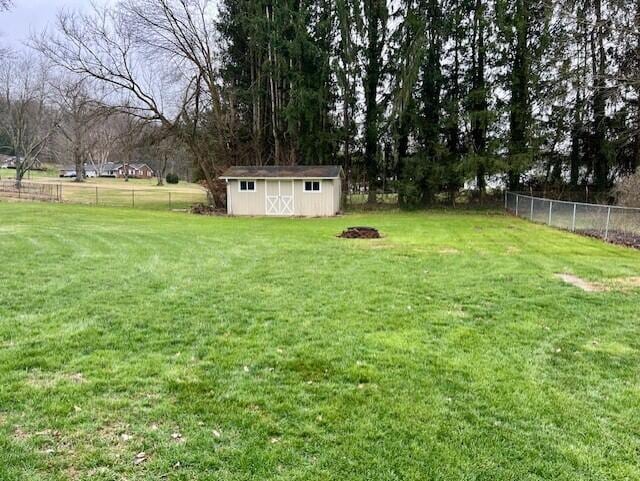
[(279, 197)]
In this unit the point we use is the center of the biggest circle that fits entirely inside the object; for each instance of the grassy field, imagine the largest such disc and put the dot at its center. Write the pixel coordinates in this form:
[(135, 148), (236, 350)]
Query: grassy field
[(112, 192), (146, 345)]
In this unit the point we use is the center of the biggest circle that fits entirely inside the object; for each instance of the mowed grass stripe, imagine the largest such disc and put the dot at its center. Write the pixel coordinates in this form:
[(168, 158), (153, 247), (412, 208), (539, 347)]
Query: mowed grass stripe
[(446, 350)]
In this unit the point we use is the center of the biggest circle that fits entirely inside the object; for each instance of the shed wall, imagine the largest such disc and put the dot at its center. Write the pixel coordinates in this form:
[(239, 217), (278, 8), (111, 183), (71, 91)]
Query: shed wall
[(245, 203), (310, 204), (314, 203)]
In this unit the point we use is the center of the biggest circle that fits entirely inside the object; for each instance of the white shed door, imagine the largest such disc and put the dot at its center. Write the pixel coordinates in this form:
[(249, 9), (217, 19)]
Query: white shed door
[(279, 197)]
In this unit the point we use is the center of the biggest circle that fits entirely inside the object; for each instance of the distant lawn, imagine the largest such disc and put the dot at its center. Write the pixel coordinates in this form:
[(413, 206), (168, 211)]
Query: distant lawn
[(261, 349), (112, 192)]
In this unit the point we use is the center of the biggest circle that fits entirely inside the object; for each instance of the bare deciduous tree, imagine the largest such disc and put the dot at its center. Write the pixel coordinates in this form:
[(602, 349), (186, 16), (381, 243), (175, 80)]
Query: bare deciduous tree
[(105, 139), (79, 115), (165, 149), (4, 6), (26, 118), (157, 56)]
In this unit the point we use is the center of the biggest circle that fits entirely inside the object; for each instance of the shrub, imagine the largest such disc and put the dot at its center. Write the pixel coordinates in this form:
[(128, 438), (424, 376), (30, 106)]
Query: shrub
[(172, 179), (627, 190)]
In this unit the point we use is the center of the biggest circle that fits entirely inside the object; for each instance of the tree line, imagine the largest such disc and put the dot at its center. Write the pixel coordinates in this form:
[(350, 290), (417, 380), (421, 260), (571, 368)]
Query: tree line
[(425, 96)]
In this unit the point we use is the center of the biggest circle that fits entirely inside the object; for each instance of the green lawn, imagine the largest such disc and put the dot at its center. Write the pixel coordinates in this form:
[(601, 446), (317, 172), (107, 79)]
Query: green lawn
[(268, 349)]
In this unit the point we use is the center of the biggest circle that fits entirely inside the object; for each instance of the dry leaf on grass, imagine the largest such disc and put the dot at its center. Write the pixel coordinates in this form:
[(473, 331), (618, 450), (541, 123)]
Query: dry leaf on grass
[(140, 458)]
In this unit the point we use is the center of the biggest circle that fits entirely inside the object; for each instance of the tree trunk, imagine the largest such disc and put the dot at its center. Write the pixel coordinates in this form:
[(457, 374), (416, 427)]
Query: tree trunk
[(519, 115), (273, 90), (575, 144), (431, 90), (20, 171), (479, 104), (78, 163), (600, 161), (375, 34)]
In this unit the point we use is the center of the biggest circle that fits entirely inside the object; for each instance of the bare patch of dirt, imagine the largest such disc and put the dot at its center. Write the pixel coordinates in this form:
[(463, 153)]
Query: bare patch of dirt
[(619, 284), (576, 281), (47, 380), (449, 251), (513, 250), (20, 433), (624, 283)]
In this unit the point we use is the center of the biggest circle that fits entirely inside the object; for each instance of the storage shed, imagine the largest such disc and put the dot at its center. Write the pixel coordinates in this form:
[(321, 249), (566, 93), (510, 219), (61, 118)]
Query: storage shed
[(303, 190)]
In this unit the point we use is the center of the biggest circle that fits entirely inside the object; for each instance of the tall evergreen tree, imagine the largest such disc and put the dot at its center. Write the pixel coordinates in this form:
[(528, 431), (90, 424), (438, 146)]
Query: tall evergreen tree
[(375, 34)]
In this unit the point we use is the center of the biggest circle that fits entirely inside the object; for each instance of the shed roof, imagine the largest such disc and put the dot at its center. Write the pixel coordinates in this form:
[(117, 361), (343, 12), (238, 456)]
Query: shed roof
[(283, 172)]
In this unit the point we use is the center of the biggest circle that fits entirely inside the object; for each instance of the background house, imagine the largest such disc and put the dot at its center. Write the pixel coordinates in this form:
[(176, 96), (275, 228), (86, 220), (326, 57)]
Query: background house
[(70, 171), (284, 191), (136, 170), (9, 162), (133, 170)]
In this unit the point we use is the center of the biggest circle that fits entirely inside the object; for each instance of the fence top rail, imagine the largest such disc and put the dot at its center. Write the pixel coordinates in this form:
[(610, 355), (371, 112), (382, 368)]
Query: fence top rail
[(139, 189), (604, 206)]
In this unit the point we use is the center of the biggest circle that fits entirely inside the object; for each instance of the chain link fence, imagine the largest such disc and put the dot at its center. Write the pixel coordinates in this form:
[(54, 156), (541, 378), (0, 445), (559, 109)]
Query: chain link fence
[(609, 222), (139, 197)]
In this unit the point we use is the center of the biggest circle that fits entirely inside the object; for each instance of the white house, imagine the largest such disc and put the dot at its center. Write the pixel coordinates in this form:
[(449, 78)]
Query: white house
[(304, 190), (70, 171)]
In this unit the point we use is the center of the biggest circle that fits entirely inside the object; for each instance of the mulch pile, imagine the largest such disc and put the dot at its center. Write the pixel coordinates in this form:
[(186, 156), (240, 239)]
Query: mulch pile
[(360, 233), (615, 237)]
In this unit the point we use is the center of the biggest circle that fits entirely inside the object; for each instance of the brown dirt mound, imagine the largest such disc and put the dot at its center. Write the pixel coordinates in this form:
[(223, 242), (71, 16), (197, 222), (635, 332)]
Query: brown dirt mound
[(360, 233)]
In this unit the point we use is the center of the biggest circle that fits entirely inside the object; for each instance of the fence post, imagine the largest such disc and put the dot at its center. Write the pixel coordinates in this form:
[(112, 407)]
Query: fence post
[(169, 200), (96, 195), (573, 222), (550, 208), (133, 198), (505, 200), (517, 201), (531, 208), (606, 229)]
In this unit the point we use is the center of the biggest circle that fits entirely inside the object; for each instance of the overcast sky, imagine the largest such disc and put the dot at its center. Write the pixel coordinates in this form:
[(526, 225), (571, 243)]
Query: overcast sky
[(33, 15)]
